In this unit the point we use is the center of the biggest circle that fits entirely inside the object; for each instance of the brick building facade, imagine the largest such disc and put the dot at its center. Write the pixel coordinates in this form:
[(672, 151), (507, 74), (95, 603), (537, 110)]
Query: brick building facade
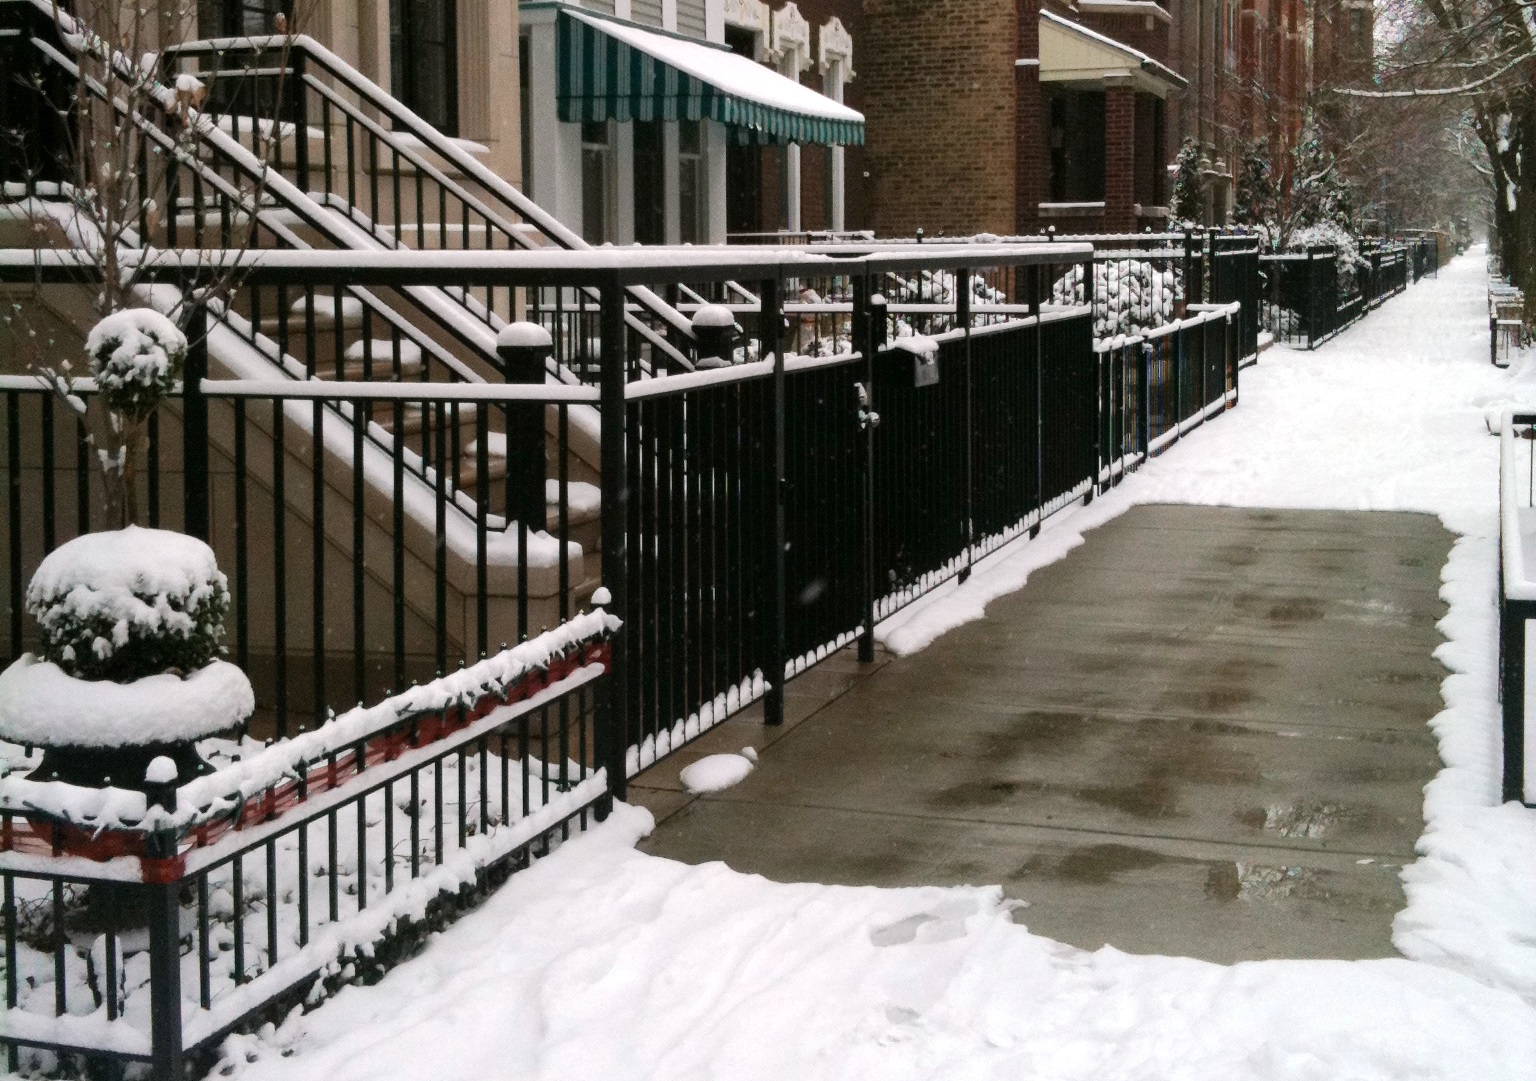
[(1253, 67), (1008, 116)]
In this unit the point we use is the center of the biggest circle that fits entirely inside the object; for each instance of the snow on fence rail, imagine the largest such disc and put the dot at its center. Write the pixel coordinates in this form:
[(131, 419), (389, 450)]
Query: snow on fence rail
[(1517, 595), (219, 901)]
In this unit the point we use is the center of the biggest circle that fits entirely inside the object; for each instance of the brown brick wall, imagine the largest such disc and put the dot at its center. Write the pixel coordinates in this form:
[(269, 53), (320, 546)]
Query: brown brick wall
[(942, 135), (1031, 165), (1120, 158)]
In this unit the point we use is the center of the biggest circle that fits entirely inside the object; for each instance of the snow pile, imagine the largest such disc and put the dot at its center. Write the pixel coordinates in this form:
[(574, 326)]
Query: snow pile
[(523, 335), (136, 358), (919, 345), (717, 771), (40, 704), (602, 962), (1129, 295), (127, 603)]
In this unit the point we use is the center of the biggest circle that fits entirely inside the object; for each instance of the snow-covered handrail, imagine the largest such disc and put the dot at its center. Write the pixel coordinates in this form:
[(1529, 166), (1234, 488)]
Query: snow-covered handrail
[(288, 772), (1517, 517), (429, 136)]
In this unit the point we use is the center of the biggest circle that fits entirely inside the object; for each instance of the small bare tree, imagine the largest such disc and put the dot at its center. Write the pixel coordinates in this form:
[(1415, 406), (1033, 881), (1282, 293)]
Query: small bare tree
[(127, 129)]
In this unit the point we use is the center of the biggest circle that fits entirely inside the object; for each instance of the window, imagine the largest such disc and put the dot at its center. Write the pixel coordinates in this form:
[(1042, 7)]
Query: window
[(238, 18), (596, 183), (1076, 127), (423, 60), (650, 183), (690, 182)]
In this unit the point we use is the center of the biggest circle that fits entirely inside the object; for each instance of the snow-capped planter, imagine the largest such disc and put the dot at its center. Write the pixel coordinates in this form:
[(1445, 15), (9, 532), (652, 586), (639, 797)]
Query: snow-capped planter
[(129, 670)]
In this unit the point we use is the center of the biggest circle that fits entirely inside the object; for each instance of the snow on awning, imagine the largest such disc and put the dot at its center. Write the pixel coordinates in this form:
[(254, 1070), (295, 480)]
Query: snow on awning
[(1072, 53), (614, 70)]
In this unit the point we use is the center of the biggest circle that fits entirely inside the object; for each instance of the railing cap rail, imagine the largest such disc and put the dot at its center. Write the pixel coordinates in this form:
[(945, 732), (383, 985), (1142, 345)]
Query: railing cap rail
[(617, 266)]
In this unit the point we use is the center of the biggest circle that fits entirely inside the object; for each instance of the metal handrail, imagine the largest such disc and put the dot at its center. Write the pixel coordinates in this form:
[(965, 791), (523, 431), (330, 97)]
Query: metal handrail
[(429, 136)]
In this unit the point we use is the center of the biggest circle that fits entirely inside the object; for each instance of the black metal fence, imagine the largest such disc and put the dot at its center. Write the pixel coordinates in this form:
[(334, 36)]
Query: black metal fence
[(1308, 297), (390, 525)]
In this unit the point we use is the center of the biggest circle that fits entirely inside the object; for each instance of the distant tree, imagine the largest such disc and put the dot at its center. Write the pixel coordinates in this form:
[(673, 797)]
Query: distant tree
[(1255, 184), (1482, 54), (1188, 201), (1318, 194)]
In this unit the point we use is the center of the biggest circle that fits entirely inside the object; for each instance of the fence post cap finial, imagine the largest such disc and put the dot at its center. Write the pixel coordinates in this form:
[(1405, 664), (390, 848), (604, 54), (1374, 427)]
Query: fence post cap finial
[(524, 335)]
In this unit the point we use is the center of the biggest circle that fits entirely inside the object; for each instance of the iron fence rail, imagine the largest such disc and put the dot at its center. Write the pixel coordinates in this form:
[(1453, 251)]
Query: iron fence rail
[(765, 513), (1308, 297)]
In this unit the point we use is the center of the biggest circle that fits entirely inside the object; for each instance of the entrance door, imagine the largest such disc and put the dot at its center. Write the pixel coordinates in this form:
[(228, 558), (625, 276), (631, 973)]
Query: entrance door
[(423, 60)]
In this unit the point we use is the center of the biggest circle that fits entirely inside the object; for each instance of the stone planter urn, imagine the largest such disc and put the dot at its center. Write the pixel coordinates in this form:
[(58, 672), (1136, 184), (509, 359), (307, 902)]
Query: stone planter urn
[(129, 667)]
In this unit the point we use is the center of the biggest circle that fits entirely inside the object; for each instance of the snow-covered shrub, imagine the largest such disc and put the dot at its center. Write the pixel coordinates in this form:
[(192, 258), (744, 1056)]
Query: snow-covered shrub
[(129, 603), (136, 359), (1332, 235), (1187, 204), (1129, 295)]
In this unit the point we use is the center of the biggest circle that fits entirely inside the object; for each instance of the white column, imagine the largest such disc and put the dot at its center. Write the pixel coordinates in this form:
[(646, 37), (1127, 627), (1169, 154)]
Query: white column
[(622, 8), (789, 67), (836, 159), (623, 136), (714, 20), (556, 148), (669, 183), (714, 157), (669, 15)]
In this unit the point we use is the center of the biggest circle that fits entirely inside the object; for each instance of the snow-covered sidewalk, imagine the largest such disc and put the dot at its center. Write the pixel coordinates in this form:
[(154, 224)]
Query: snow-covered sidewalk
[(603, 962)]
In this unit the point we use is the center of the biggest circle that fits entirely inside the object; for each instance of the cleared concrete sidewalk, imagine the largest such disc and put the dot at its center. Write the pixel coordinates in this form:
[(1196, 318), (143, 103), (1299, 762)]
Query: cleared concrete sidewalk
[(1202, 733)]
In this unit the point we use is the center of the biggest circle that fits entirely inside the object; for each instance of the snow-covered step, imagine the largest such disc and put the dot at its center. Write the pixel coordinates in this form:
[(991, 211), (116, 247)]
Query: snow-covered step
[(382, 359), (414, 420)]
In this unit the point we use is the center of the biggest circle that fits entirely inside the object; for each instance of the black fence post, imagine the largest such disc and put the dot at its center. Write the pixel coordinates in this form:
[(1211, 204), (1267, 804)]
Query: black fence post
[(1312, 289), (1144, 399), (164, 910), (963, 317), (612, 733), (524, 350), (1512, 619), (301, 122), (863, 329), (194, 425), (772, 332)]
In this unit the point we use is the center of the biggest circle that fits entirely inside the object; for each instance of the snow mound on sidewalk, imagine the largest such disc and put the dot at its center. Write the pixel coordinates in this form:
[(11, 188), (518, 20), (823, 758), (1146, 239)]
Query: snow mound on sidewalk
[(602, 962), (716, 772)]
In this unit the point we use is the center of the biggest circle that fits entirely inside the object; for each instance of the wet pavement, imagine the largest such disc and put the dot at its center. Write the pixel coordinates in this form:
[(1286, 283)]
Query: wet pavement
[(1202, 733)]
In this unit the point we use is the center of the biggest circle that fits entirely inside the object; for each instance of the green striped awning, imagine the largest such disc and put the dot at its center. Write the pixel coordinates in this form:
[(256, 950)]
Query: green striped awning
[(614, 70)]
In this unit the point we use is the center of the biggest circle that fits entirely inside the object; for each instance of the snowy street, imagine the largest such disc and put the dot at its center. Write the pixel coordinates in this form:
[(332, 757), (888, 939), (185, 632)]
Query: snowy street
[(602, 961)]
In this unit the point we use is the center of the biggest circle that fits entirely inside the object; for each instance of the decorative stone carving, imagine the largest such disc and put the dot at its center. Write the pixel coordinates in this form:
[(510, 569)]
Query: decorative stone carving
[(835, 43), (750, 14), (791, 37)]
